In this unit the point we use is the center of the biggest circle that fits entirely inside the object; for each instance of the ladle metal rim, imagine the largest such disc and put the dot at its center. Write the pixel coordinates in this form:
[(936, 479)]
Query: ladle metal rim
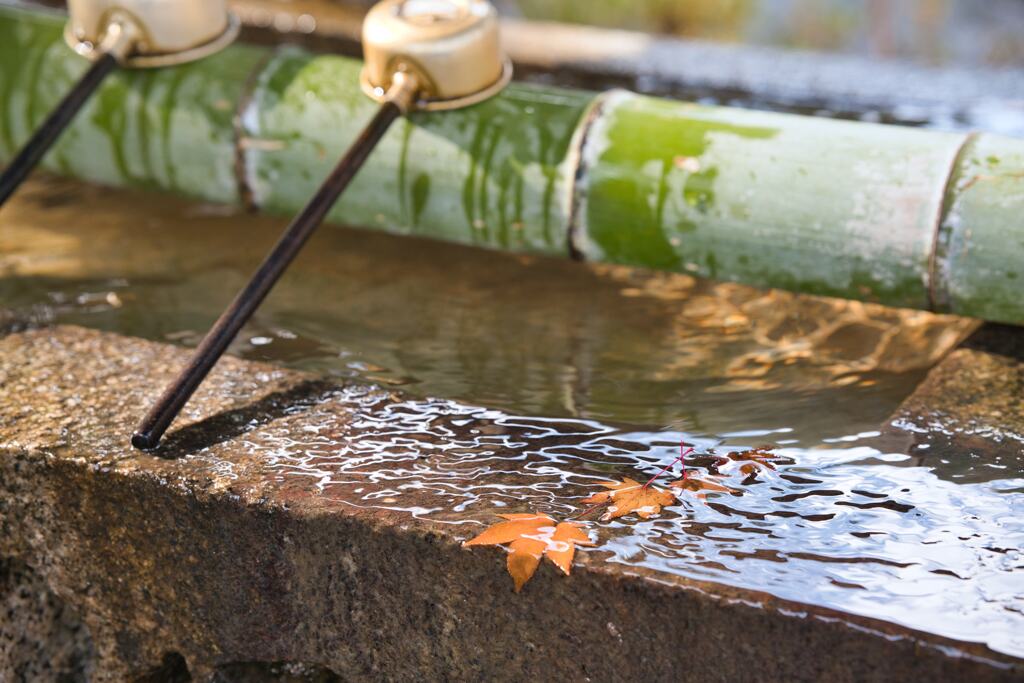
[(434, 104), (144, 60)]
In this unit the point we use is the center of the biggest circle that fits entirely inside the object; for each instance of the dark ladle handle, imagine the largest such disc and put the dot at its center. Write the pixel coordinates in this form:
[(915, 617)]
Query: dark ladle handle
[(149, 432)]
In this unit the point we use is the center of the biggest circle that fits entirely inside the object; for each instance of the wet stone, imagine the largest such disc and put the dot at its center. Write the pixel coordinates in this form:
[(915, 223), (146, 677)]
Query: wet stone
[(296, 526), (966, 419)]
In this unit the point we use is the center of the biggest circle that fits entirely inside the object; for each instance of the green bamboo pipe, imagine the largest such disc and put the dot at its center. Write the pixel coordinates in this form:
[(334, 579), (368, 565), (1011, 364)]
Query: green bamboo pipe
[(900, 216)]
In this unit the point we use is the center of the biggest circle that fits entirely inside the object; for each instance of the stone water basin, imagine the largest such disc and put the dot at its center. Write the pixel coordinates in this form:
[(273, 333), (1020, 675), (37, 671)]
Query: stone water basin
[(451, 386)]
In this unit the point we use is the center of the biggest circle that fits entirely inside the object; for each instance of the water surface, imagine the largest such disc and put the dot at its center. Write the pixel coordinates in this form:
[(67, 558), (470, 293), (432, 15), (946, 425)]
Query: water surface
[(882, 535), (525, 334)]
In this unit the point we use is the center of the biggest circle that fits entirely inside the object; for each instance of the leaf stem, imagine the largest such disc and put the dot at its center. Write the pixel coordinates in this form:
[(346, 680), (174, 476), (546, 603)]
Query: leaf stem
[(683, 452), (590, 509)]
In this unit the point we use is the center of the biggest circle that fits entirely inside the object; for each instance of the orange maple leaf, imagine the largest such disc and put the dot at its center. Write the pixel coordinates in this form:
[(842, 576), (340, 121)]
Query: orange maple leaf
[(529, 537), (702, 486), (631, 496)]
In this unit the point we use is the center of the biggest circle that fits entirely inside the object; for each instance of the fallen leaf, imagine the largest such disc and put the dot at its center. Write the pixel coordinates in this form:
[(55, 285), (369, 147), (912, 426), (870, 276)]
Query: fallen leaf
[(529, 537), (702, 486), (761, 456), (750, 471), (631, 496)]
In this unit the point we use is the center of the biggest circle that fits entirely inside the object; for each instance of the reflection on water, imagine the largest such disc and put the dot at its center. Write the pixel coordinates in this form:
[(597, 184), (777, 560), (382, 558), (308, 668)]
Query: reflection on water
[(527, 335), (616, 366), (852, 529)]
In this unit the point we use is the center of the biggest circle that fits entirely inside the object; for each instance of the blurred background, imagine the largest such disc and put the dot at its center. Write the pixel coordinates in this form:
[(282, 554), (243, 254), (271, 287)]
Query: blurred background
[(944, 64), (936, 32), (969, 33)]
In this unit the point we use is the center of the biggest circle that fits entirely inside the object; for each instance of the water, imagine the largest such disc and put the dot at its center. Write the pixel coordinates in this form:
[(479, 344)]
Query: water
[(557, 376), (854, 529), (524, 334)]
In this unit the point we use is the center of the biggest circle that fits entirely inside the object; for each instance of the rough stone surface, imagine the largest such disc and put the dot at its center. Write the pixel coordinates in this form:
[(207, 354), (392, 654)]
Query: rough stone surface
[(40, 638), (967, 417), (195, 557)]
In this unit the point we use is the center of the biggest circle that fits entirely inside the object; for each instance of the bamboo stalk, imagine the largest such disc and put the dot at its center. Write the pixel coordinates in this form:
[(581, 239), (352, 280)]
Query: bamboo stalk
[(811, 205), (900, 216), (492, 175)]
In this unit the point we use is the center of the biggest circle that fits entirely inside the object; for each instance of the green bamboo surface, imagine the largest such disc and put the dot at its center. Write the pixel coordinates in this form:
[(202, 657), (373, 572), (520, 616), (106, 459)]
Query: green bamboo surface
[(980, 255), (899, 216), (811, 205), (491, 175)]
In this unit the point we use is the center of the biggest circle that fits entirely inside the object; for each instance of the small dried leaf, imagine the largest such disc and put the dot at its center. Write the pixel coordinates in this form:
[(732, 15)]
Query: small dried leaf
[(749, 472), (631, 496), (703, 486), (530, 537), (761, 456)]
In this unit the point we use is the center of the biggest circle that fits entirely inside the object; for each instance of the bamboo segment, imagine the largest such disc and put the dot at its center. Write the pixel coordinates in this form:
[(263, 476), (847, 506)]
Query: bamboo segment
[(170, 129), (491, 175), (980, 256), (812, 205), (894, 215)]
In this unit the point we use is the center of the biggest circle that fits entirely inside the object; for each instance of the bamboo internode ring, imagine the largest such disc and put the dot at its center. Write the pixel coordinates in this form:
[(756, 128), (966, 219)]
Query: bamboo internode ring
[(452, 47), (163, 32)]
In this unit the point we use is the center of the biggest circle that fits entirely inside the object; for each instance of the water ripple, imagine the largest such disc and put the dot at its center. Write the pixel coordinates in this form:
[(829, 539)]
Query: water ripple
[(855, 529)]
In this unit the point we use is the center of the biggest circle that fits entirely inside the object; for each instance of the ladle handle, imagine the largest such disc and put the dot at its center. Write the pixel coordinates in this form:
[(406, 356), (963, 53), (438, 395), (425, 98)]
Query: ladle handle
[(156, 422), (35, 149)]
